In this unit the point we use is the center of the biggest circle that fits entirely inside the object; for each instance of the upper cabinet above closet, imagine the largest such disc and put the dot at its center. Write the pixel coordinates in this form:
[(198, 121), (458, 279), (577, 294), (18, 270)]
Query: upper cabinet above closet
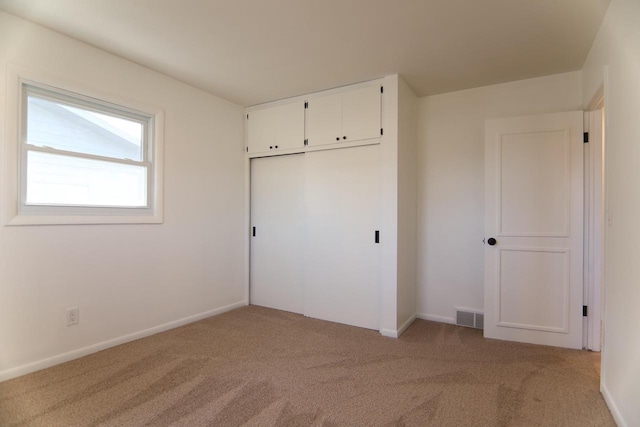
[(344, 117), (276, 128)]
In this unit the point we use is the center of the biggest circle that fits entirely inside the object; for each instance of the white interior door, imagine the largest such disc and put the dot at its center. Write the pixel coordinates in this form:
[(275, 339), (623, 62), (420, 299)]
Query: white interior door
[(534, 211), (341, 256), (277, 242)]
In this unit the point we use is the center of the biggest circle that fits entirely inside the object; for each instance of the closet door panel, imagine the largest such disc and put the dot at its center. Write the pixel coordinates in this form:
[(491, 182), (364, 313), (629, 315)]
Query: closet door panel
[(324, 120), (277, 213), (261, 130), (289, 125), (361, 114), (341, 268)]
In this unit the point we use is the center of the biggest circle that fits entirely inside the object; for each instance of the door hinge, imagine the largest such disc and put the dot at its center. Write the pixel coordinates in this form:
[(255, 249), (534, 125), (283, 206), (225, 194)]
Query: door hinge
[(377, 236), (585, 137), (306, 105), (381, 131), (306, 142), (585, 311), (381, 89)]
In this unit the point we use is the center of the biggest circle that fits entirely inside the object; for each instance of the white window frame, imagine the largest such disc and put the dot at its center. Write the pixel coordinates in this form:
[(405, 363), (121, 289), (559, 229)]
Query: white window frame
[(18, 212)]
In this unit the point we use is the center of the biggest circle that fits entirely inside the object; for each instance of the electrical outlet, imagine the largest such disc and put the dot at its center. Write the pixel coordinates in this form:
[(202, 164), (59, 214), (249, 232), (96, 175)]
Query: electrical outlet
[(73, 316)]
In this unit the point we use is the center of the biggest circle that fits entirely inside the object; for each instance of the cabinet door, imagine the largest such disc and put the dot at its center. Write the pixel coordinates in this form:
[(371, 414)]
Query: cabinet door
[(324, 120), (276, 128), (341, 269), (261, 130), (277, 248), (289, 126), (361, 114)]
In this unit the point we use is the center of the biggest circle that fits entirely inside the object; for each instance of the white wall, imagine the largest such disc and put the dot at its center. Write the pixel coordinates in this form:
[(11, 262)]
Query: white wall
[(407, 208), (614, 60), (397, 235), (124, 278), (451, 183), (389, 224)]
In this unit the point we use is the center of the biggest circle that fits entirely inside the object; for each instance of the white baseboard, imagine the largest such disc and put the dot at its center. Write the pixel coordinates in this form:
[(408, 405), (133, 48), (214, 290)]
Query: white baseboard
[(392, 333), (406, 324), (617, 416), (75, 354), (436, 318)]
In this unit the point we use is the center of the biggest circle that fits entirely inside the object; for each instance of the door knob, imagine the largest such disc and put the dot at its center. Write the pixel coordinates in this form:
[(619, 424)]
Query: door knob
[(491, 241)]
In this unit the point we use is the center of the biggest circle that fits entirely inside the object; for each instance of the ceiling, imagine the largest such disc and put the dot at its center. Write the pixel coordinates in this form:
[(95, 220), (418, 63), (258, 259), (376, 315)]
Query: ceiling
[(254, 51)]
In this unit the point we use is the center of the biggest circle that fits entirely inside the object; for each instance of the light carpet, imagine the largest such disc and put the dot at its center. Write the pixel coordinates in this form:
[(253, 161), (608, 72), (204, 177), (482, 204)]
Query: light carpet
[(260, 367)]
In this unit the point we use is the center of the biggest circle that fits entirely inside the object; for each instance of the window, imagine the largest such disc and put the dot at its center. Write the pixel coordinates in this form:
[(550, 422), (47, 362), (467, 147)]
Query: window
[(84, 160)]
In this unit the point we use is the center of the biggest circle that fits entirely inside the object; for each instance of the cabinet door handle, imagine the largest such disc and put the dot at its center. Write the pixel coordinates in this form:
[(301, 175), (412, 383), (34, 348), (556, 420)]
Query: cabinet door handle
[(276, 146), (271, 147), (344, 137), (338, 139)]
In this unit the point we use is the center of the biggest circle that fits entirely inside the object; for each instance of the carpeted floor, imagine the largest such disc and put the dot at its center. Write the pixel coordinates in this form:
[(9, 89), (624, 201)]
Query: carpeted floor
[(261, 367)]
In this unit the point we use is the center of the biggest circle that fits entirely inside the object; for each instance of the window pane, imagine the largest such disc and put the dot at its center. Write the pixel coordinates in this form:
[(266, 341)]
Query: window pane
[(54, 179), (57, 125)]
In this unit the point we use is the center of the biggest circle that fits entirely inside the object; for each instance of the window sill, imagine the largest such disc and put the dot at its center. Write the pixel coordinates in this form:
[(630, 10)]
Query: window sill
[(82, 219)]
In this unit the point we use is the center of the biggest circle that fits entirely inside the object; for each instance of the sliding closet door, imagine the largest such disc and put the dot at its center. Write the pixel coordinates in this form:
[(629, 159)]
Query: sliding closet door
[(277, 220), (341, 268)]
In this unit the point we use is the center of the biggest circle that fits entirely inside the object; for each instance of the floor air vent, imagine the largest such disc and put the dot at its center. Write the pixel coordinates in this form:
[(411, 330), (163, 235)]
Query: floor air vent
[(469, 319)]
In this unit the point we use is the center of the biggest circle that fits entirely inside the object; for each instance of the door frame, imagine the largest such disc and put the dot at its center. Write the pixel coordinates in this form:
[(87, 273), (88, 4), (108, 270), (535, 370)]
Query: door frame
[(594, 228)]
